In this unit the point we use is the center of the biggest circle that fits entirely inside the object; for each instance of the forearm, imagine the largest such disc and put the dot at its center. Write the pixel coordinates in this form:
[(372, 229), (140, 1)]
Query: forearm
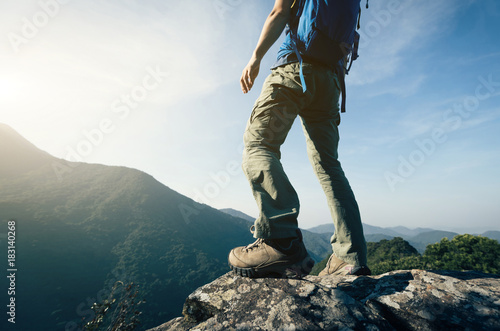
[(273, 27)]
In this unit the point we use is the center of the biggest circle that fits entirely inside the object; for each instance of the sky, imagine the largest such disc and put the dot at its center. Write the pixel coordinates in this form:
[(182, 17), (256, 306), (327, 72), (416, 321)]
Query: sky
[(154, 85)]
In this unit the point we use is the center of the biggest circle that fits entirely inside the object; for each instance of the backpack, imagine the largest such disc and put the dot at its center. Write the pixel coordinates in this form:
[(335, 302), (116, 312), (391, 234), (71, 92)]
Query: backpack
[(324, 31)]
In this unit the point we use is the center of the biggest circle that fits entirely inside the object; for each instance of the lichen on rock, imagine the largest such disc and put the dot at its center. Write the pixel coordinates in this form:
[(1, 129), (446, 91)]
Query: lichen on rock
[(409, 300)]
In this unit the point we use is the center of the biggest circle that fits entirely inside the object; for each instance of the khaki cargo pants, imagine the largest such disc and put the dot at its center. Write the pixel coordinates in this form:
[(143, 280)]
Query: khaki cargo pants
[(281, 100)]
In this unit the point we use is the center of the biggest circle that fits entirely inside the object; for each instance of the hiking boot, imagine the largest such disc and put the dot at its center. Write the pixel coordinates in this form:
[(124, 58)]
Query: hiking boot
[(281, 258), (336, 266)]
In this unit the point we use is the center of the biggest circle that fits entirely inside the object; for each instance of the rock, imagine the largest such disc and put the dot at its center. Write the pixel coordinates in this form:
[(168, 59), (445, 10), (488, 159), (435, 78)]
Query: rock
[(398, 300)]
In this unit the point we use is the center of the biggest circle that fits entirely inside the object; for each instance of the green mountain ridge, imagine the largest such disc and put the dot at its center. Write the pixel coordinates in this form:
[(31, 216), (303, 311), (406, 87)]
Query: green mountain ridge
[(82, 230), (100, 224)]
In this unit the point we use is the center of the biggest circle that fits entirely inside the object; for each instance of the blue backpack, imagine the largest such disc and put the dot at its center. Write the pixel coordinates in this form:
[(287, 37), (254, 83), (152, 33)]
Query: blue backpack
[(324, 31)]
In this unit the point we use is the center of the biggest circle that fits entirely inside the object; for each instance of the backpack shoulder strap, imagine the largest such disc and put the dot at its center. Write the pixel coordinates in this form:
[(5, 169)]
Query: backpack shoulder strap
[(297, 8)]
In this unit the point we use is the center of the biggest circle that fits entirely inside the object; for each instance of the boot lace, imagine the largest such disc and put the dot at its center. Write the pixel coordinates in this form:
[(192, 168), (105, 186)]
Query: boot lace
[(255, 244)]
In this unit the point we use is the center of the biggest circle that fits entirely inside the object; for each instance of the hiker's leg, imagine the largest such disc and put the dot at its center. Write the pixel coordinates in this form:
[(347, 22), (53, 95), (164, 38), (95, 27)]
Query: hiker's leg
[(271, 119), (320, 122)]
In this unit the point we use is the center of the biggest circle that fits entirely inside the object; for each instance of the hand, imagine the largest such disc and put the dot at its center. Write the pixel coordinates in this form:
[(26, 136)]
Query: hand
[(249, 74)]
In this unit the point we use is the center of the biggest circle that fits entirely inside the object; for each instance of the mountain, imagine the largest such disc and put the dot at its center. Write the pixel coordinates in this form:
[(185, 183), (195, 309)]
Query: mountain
[(318, 244), (18, 154), (421, 240), (79, 234), (377, 237), (418, 237), (492, 234), (237, 213), (372, 233), (402, 230), (323, 228), (368, 229)]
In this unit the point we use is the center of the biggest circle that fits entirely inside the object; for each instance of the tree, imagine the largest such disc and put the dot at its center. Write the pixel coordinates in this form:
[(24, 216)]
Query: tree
[(386, 255), (389, 250), (464, 252), (404, 263), (117, 313), (395, 254)]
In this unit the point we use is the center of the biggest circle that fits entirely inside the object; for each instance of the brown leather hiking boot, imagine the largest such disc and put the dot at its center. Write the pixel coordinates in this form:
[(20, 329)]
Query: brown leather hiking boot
[(271, 258), (336, 266)]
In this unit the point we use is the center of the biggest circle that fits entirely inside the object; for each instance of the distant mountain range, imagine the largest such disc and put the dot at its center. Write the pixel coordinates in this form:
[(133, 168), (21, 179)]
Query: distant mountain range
[(418, 238)]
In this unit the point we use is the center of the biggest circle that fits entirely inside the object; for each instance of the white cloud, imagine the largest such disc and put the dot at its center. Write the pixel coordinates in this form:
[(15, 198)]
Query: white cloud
[(389, 35), (406, 86)]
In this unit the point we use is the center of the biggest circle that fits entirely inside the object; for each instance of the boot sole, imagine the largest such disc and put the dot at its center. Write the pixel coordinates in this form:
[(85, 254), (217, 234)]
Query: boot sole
[(277, 270)]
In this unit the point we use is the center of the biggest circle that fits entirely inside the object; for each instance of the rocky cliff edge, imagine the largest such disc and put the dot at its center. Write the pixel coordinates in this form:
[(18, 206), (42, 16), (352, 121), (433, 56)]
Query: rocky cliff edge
[(399, 300)]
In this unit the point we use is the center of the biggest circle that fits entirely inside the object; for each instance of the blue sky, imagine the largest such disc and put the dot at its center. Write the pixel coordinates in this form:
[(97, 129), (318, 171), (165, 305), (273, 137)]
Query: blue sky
[(154, 85)]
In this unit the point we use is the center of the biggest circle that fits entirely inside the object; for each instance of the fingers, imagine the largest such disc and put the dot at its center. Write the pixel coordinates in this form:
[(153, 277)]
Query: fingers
[(243, 83), (249, 75), (246, 81)]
